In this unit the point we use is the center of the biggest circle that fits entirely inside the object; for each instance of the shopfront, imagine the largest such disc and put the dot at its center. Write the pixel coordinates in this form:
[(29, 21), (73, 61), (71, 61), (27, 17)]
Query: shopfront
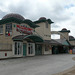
[(27, 45), (61, 46)]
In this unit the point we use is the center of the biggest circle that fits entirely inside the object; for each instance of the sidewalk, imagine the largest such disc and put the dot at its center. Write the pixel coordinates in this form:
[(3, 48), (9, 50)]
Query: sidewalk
[(70, 71)]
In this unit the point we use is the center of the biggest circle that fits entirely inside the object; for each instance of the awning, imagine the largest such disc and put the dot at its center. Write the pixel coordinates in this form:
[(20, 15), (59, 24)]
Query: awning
[(63, 42), (57, 42), (35, 38), (52, 42)]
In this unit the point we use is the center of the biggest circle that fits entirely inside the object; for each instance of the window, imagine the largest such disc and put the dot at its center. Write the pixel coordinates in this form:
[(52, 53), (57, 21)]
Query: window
[(1, 29), (46, 24), (15, 48), (8, 29), (46, 47), (31, 48), (18, 48)]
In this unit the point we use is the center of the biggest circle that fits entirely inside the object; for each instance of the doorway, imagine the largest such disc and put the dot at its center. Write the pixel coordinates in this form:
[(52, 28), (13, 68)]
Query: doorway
[(24, 49)]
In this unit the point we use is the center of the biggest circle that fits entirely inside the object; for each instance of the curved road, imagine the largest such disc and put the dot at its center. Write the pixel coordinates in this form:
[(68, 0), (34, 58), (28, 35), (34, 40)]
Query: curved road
[(38, 65)]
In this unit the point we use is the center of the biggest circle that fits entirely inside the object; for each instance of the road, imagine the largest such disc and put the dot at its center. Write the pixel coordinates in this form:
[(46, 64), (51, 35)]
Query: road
[(38, 65)]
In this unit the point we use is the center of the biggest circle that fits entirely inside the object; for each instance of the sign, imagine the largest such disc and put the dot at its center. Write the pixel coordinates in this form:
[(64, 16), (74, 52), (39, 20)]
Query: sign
[(24, 30)]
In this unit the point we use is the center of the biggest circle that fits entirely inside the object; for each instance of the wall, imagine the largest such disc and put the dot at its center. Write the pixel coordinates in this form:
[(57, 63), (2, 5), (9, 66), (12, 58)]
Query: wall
[(2, 54), (65, 34), (5, 45), (72, 42), (5, 39), (43, 31)]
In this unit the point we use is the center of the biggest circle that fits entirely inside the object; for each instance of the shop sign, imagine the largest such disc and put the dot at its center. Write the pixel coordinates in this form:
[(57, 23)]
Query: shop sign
[(24, 30)]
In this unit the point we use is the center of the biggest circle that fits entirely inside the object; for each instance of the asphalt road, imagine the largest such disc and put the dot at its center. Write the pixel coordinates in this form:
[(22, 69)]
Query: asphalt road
[(38, 65)]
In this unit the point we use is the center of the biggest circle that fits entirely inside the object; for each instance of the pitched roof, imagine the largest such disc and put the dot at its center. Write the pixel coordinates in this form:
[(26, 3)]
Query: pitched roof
[(57, 42), (63, 41), (52, 42), (43, 20)]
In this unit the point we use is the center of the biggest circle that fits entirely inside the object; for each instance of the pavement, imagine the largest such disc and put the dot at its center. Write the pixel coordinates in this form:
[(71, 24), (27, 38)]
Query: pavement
[(70, 71), (38, 65)]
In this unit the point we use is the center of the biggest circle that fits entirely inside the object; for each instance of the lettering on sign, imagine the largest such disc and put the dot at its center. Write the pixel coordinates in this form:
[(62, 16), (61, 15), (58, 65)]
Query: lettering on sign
[(24, 30)]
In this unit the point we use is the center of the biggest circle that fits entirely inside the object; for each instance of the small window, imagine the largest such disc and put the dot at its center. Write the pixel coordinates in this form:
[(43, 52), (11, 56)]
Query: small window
[(8, 29), (46, 24), (1, 29)]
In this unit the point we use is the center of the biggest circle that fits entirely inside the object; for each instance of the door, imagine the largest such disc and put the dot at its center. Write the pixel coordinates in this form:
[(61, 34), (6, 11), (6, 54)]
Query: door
[(38, 49), (24, 49), (31, 49)]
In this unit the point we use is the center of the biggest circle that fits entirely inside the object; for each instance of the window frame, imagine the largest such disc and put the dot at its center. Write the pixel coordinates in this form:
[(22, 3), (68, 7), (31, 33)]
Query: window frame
[(1, 29), (7, 29), (46, 24), (18, 48), (46, 47)]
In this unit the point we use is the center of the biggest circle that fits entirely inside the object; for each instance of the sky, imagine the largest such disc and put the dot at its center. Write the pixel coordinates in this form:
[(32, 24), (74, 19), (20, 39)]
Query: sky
[(61, 12)]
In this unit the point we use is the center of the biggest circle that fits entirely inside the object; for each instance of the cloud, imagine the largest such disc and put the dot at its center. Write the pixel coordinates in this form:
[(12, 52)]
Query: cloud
[(61, 12), (2, 14)]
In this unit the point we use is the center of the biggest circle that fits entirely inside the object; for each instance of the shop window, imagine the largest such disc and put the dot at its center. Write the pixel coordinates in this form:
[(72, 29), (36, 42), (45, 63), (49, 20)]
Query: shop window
[(31, 48), (46, 47), (8, 29), (46, 24), (1, 29), (15, 48), (18, 48), (38, 49)]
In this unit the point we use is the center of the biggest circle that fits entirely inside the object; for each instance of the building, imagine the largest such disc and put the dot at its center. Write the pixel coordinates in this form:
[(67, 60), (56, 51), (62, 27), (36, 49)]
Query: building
[(21, 37), (72, 42), (63, 44), (45, 31)]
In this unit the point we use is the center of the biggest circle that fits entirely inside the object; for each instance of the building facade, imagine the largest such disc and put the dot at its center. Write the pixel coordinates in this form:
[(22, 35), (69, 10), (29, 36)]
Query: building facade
[(45, 31), (21, 37), (63, 43)]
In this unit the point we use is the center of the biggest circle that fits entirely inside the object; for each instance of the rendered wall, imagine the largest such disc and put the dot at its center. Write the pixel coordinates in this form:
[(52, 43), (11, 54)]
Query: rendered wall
[(5, 54), (43, 31), (72, 43), (66, 35)]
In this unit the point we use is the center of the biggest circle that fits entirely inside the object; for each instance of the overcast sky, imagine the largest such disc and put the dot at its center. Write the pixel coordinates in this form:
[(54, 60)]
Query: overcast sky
[(61, 12)]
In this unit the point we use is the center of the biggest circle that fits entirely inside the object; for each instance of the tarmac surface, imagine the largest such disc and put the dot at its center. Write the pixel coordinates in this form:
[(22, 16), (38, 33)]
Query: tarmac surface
[(70, 71), (38, 65)]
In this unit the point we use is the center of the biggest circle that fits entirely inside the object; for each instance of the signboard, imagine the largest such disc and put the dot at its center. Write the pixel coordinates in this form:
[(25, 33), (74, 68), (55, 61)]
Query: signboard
[(24, 30)]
